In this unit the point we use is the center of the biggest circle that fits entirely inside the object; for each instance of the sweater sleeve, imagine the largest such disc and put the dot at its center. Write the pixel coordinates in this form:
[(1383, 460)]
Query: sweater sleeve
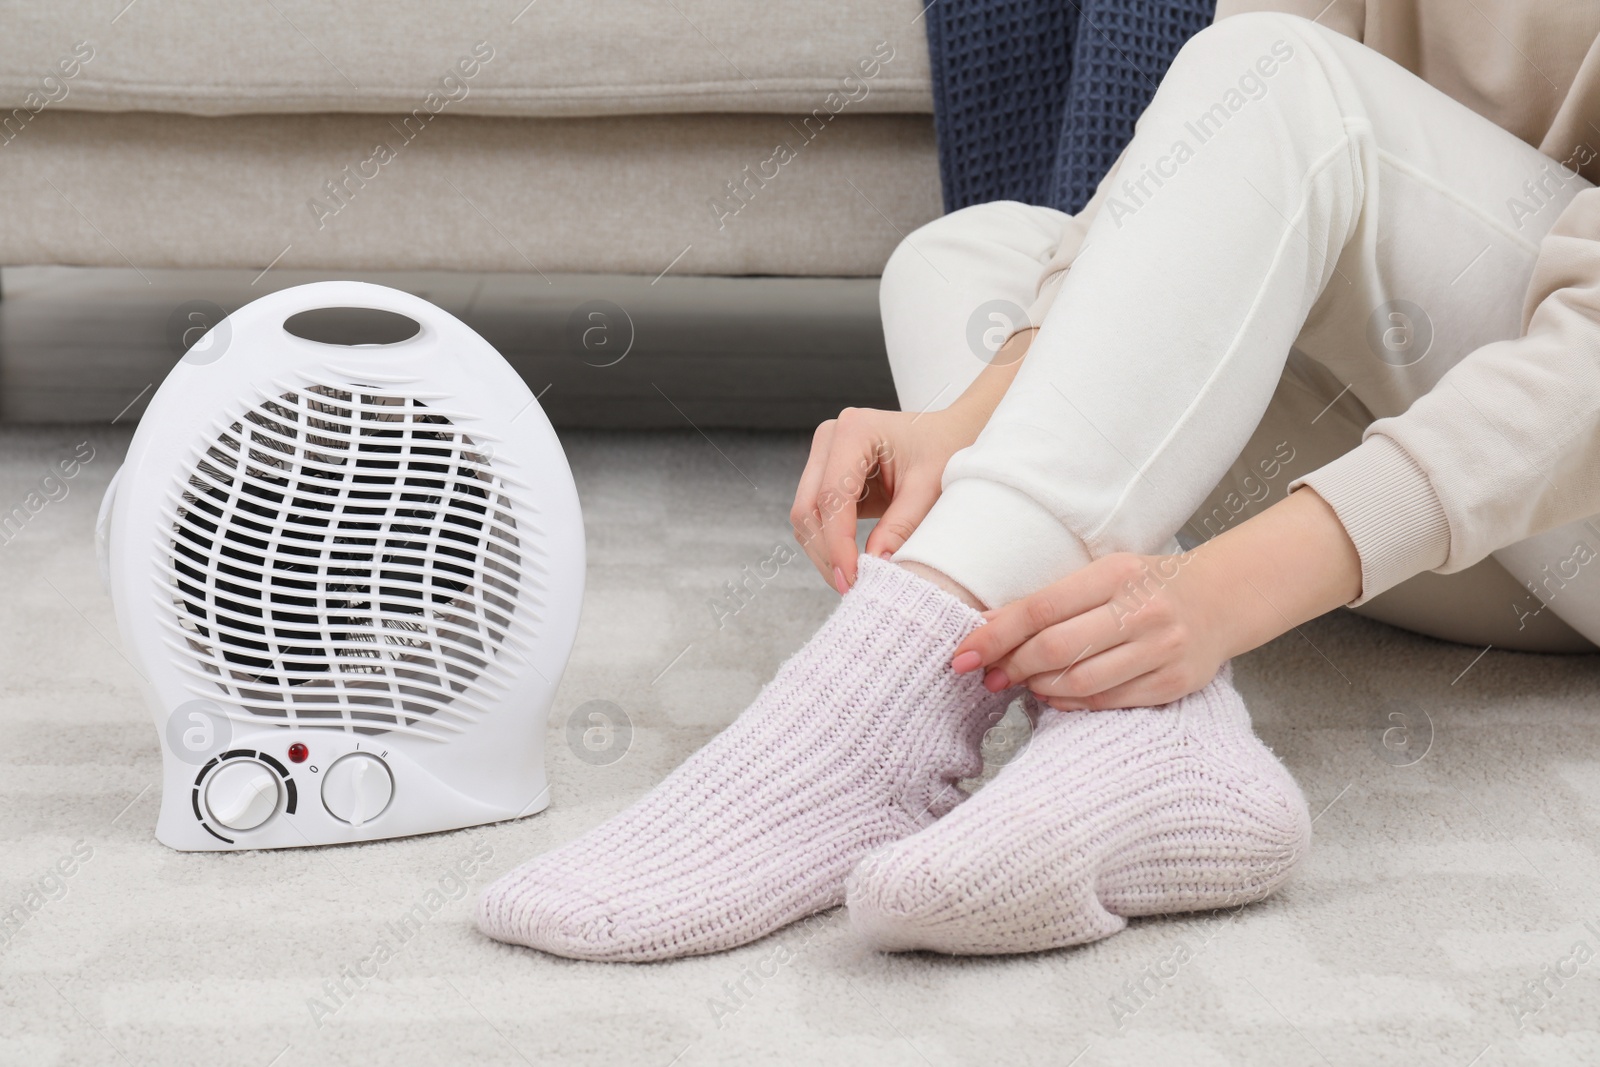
[(1505, 446)]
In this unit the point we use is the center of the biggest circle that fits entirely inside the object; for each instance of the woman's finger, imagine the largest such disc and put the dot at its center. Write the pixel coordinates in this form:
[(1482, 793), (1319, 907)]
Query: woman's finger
[(1016, 622), (1149, 690), (1096, 673), (851, 460), (805, 493), (914, 498), (1057, 648), (804, 516)]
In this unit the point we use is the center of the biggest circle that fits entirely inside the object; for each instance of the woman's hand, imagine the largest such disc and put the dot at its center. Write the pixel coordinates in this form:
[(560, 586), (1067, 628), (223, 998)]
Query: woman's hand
[(873, 464), (1126, 631), (1132, 631), (888, 465)]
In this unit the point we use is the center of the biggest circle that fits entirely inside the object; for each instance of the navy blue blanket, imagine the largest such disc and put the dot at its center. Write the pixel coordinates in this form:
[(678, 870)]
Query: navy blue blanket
[(1034, 99)]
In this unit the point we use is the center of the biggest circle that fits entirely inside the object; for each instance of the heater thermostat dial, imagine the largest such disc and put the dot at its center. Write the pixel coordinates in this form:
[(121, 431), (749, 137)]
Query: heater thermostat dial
[(357, 788), (242, 795)]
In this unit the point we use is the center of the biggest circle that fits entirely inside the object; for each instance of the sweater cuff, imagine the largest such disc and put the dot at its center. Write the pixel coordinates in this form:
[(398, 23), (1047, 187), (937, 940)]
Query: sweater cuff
[(1389, 509)]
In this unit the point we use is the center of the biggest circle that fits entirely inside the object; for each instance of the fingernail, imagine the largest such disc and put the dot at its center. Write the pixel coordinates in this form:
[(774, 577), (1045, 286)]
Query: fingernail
[(967, 661), (838, 581), (996, 680), (886, 554)]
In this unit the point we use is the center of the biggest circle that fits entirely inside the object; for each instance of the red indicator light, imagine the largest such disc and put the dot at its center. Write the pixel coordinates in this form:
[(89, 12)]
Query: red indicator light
[(298, 753)]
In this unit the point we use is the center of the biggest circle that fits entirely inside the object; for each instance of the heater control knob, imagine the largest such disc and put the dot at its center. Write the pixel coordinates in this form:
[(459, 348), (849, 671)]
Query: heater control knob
[(242, 795), (357, 788)]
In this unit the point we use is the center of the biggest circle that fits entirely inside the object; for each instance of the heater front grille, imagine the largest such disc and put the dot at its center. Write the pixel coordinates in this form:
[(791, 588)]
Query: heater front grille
[(345, 556)]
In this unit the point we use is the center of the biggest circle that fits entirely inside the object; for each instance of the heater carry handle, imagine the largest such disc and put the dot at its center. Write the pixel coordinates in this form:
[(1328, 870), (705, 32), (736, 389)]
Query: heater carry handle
[(275, 310), (440, 335)]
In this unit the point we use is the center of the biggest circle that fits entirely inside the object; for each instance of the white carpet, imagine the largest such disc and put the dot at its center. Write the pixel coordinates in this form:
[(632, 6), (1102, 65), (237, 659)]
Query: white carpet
[(1435, 893)]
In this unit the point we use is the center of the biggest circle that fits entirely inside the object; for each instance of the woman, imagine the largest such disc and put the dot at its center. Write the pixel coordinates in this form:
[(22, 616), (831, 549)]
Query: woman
[(1307, 259)]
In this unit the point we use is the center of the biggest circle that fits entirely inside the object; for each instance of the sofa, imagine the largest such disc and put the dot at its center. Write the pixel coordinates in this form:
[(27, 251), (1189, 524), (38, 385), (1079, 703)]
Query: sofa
[(644, 137)]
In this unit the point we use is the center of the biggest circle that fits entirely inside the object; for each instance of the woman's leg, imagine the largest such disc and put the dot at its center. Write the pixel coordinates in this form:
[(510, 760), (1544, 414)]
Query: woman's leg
[(861, 737), (857, 742), (1286, 185), (955, 289)]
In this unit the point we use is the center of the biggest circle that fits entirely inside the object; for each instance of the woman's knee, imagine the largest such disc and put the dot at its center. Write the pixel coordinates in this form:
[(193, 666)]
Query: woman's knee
[(998, 247), (1247, 37), (945, 240), (1237, 60)]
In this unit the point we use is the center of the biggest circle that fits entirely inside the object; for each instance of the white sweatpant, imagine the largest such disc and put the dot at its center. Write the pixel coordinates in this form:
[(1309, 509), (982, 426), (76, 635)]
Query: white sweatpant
[(1237, 329)]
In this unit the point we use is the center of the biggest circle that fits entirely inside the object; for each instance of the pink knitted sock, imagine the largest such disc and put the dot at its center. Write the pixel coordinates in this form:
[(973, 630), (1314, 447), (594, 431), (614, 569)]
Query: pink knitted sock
[(857, 742), (1103, 816)]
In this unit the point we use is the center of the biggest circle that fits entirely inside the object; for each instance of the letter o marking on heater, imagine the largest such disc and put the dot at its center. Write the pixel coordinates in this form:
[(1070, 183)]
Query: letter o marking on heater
[(197, 730)]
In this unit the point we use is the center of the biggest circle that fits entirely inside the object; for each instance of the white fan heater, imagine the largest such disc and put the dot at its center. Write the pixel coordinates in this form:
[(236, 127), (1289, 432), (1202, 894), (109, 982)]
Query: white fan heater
[(350, 575)]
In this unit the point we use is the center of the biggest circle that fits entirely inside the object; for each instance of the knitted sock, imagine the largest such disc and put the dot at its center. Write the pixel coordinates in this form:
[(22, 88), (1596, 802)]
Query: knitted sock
[(857, 742), (1103, 816)]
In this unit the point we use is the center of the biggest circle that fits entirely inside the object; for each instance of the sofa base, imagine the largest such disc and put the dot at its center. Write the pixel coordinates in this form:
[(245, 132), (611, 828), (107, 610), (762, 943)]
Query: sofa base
[(602, 351)]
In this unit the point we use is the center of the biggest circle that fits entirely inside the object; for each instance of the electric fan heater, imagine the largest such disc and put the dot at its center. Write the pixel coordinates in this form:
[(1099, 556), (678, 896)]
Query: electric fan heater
[(350, 575)]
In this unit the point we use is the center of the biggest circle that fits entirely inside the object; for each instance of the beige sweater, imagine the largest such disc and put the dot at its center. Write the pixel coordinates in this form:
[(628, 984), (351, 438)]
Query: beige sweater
[(1507, 445)]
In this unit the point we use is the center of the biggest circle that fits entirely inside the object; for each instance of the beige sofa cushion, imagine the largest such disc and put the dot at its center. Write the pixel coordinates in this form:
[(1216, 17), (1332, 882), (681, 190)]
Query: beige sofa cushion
[(635, 194), (548, 58)]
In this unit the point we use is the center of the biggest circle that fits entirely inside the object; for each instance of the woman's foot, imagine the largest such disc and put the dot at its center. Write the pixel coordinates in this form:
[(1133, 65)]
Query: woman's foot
[(856, 743), (1104, 815)]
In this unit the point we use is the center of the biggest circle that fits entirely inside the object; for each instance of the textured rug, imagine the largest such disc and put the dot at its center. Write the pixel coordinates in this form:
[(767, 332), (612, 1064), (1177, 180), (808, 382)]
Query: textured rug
[(1449, 913)]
